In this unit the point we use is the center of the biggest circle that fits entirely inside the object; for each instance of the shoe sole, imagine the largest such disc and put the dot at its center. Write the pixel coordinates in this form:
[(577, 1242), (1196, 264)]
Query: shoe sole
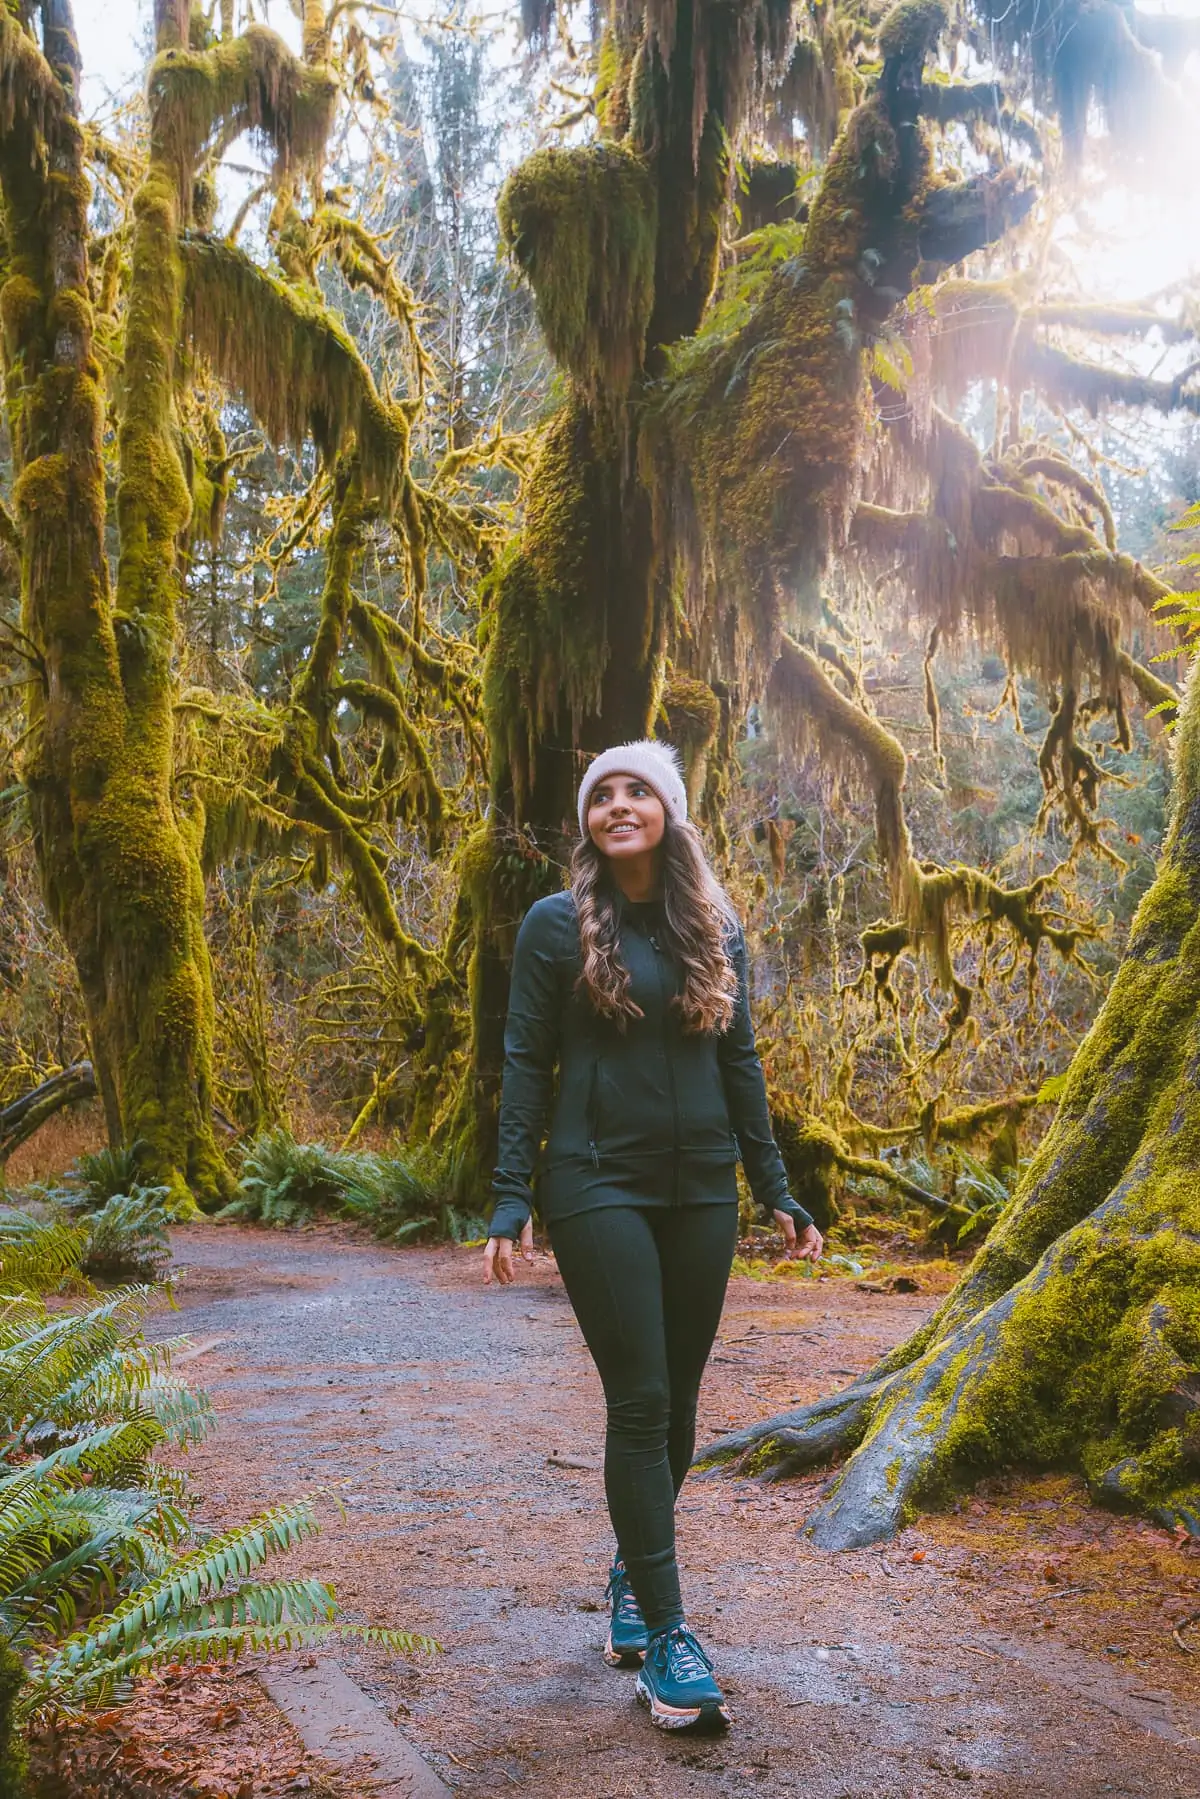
[(622, 1658), (686, 1717)]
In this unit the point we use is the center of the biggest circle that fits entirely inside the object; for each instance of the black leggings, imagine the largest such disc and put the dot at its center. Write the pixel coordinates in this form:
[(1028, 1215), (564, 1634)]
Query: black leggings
[(647, 1288)]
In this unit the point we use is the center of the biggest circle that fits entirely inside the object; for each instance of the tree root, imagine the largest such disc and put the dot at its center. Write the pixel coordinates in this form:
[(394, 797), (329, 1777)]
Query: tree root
[(791, 1442)]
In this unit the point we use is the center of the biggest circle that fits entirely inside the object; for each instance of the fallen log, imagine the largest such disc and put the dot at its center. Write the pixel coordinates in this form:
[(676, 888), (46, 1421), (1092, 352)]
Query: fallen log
[(24, 1116)]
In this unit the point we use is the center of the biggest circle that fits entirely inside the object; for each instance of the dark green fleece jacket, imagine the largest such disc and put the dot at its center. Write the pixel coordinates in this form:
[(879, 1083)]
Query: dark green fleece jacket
[(649, 1115)]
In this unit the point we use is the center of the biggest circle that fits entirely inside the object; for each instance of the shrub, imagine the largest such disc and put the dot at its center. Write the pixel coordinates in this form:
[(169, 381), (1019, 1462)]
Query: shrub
[(103, 1174), (103, 1574), (284, 1182), (397, 1196), (125, 1239)]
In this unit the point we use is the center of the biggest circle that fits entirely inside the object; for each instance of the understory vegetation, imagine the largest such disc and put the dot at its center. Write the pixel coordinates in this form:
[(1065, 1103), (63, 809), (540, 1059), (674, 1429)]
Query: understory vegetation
[(392, 420), (105, 1571)]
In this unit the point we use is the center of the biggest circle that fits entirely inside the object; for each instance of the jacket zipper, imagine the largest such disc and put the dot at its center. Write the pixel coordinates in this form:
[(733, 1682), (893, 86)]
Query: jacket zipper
[(591, 1113), (662, 984)]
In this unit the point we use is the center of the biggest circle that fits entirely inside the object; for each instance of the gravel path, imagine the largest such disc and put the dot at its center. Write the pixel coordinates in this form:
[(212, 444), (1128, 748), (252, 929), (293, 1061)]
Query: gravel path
[(438, 1410)]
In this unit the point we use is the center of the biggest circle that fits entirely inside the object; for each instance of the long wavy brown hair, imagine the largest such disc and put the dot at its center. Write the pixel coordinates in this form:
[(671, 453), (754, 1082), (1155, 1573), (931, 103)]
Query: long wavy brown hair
[(699, 920)]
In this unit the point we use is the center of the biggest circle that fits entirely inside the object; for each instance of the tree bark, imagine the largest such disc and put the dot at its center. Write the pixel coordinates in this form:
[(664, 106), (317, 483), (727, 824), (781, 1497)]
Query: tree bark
[(117, 857), (1074, 1338), (24, 1116)]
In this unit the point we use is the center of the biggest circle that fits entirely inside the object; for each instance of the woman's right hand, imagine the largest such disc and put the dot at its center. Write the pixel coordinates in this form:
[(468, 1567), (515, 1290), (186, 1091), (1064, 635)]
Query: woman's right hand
[(498, 1256)]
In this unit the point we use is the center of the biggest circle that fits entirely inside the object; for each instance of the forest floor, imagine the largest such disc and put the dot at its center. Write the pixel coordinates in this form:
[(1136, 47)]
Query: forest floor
[(1023, 1643)]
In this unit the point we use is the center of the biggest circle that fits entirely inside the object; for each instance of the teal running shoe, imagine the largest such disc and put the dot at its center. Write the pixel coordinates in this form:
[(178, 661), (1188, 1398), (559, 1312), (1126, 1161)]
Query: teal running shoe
[(627, 1637), (676, 1684)]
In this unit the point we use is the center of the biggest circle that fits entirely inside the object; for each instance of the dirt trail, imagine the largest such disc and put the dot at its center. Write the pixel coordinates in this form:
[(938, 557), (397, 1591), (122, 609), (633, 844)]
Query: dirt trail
[(1026, 1650)]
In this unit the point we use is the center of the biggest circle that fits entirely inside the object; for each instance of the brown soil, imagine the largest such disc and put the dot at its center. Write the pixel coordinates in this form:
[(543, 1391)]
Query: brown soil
[(1021, 1644)]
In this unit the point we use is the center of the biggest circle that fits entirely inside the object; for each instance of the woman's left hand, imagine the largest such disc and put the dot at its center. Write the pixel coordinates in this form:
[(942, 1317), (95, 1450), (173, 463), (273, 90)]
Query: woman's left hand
[(806, 1247)]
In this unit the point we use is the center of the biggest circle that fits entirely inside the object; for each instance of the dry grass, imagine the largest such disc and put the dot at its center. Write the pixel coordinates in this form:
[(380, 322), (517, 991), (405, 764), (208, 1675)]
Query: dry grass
[(48, 1154)]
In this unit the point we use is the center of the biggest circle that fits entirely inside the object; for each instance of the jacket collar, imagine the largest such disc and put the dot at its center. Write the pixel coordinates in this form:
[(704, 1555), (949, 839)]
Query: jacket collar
[(642, 915)]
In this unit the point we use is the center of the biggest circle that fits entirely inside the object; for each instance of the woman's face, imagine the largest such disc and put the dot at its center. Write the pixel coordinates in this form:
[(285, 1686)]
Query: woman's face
[(625, 817)]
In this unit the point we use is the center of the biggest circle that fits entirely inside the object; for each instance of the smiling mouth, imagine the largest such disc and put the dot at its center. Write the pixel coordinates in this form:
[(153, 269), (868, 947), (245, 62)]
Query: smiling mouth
[(622, 830)]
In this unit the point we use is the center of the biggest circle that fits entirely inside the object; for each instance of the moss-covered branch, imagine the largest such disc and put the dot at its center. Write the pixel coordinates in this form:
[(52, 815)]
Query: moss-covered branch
[(251, 82), (988, 328), (249, 324), (814, 717), (581, 225), (947, 102), (307, 765)]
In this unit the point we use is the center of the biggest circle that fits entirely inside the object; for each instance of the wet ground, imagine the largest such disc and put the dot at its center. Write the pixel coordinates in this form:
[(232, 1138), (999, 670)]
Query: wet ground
[(1021, 1645)]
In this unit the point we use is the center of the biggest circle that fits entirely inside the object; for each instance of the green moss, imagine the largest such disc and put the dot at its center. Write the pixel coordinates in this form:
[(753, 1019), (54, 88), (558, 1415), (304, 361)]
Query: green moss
[(549, 597), (250, 324), (251, 82), (581, 224), (811, 1152), (766, 424), (912, 29)]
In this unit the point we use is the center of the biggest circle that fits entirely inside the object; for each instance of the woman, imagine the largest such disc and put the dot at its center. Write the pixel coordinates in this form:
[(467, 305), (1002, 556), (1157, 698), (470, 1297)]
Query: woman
[(633, 984)]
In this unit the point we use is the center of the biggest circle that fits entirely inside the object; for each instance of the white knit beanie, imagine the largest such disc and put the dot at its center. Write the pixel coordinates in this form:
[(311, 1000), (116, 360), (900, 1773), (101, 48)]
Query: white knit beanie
[(654, 763)]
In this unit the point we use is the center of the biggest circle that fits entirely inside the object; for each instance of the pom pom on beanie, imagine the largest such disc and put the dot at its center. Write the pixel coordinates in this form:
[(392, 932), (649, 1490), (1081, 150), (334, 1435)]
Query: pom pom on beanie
[(654, 763)]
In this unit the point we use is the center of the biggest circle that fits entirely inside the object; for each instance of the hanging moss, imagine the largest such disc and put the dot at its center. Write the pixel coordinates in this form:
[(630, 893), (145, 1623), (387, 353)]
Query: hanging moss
[(251, 82), (993, 329), (581, 225), (614, 66), (692, 713), (548, 598), (912, 29), (766, 427), (28, 85), (813, 715), (249, 324)]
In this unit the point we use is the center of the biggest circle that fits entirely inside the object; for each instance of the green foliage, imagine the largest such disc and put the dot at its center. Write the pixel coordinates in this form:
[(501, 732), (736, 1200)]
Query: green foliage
[(284, 1182), (127, 1237), (689, 363), (57, 1232), (102, 1173), (37, 1252), (102, 1574), (401, 1196), (398, 1196), (1183, 609)]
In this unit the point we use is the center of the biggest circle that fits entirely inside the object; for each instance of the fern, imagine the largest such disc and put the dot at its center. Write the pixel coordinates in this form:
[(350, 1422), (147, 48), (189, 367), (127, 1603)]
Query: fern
[(60, 1231), (128, 1237), (102, 1174), (399, 1196), (37, 1254), (102, 1574), (284, 1182)]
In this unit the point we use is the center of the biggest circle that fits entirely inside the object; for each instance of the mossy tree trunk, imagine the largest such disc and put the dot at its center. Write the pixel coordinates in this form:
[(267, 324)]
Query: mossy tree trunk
[(1074, 1339), (620, 242), (118, 857)]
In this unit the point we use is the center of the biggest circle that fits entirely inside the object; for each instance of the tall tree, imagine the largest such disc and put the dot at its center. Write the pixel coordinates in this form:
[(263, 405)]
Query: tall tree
[(121, 821), (713, 462)]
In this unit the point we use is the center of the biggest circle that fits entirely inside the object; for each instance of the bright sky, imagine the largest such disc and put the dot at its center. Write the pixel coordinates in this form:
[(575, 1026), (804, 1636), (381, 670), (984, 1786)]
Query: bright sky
[(1139, 242)]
